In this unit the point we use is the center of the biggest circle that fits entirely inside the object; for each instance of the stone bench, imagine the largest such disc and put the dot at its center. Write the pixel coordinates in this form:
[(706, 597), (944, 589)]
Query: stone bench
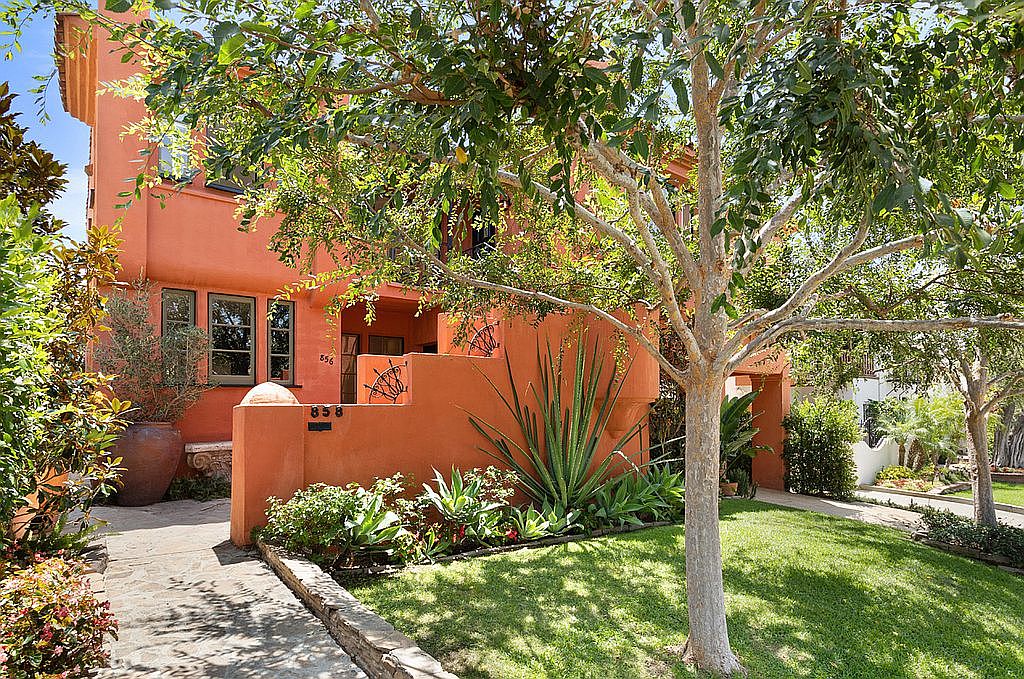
[(211, 458)]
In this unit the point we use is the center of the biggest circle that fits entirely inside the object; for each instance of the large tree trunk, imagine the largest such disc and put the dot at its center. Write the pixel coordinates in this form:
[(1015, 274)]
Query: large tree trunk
[(708, 643), (1008, 447), (981, 479), (974, 386)]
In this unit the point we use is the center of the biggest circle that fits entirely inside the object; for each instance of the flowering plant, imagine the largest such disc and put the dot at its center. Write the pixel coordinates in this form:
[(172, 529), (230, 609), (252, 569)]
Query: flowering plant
[(51, 624)]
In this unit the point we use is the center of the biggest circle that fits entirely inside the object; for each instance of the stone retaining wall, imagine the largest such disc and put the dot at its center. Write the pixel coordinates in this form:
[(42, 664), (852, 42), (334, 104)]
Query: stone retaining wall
[(376, 646)]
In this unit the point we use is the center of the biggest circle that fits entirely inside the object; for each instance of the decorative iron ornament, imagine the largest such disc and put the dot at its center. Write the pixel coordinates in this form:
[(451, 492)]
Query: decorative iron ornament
[(389, 383), (483, 342)]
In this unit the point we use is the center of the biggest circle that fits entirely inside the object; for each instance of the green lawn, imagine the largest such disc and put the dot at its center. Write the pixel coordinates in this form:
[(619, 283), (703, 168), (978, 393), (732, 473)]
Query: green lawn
[(808, 596), (1007, 493)]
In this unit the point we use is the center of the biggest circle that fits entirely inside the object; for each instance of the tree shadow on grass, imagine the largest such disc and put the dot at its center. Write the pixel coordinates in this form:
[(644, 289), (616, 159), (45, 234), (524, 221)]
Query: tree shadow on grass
[(808, 595)]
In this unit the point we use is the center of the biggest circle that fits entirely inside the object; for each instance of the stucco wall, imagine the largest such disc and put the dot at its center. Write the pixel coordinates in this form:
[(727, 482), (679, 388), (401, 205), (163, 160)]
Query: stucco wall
[(869, 461)]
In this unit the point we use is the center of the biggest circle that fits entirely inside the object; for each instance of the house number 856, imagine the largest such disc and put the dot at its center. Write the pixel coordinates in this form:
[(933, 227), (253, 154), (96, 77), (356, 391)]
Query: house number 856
[(327, 358)]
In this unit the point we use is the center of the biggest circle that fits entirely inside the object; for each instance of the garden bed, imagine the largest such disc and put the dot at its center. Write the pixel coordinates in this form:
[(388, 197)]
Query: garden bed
[(357, 571)]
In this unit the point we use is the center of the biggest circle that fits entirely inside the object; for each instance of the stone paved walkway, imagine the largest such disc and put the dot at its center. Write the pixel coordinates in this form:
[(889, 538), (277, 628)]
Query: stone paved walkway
[(191, 605)]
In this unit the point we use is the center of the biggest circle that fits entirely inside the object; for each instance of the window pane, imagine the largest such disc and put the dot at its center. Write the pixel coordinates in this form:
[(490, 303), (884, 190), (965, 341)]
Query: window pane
[(281, 315), (232, 363), (348, 388), (280, 342), (232, 339), (231, 312), (387, 346), (178, 307), (237, 338), (281, 368), (350, 344)]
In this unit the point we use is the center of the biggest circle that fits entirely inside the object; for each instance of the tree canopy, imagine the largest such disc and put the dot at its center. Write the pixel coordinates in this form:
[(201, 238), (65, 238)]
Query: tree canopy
[(673, 155)]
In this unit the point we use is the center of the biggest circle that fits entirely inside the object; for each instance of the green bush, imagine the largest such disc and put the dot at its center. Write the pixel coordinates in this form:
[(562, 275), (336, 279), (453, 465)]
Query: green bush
[(466, 513), (334, 526), (199, 488), (51, 624), (953, 529), (817, 451), (894, 472)]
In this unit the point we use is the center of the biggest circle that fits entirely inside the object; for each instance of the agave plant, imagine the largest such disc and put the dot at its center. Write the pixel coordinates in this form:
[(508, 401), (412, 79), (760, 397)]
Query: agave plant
[(559, 463)]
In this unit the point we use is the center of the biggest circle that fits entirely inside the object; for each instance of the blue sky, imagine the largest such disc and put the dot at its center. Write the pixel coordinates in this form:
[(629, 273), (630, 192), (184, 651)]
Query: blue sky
[(63, 136)]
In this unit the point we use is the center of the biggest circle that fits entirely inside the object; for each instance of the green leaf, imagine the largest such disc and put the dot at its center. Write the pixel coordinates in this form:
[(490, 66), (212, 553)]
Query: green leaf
[(223, 31), (231, 49), (117, 5), (1006, 190), (304, 10), (713, 65), (689, 14), (619, 95), (682, 96), (636, 73)]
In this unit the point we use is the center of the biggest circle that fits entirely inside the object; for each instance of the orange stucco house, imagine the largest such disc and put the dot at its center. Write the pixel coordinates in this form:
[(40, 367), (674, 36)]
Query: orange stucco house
[(355, 401)]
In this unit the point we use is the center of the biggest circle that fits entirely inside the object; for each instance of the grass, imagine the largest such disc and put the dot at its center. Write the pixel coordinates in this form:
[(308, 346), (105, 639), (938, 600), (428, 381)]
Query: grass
[(808, 595), (1007, 493)]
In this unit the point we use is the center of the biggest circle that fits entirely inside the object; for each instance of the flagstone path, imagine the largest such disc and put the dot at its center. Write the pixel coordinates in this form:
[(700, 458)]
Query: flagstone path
[(191, 605)]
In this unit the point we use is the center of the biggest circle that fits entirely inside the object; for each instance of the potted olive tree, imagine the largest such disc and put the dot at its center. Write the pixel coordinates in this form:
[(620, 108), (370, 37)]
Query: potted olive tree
[(161, 375)]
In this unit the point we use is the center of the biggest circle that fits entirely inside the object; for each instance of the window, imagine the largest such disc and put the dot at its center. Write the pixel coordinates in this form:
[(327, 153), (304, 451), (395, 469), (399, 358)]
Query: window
[(232, 344), (387, 346), (281, 341), (481, 240), (233, 180), (177, 309), (349, 352), (173, 158)]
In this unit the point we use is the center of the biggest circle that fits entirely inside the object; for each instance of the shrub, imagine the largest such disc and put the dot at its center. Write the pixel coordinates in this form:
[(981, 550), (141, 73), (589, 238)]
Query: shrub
[(55, 420), (160, 373), (51, 624), (200, 488), (464, 507), (334, 526), (953, 529), (894, 472), (817, 451), (634, 498)]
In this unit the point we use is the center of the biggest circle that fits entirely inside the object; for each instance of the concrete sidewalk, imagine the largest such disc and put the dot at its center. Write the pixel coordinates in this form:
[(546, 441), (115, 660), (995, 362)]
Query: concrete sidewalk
[(937, 502), (191, 605), (901, 519)]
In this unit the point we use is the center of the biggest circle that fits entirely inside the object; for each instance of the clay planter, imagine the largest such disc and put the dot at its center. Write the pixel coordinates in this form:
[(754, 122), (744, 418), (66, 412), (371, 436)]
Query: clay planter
[(728, 489), (150, 453)]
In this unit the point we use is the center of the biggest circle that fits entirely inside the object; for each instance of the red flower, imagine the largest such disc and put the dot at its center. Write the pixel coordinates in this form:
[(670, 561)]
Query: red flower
[(512, 534)]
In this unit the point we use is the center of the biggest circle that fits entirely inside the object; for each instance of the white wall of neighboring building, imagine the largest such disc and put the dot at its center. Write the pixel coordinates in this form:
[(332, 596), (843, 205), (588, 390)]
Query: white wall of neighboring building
[(869, 461), (864, 389)]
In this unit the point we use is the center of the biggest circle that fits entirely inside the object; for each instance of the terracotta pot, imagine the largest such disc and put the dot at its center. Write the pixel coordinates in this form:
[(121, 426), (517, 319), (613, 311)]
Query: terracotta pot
[(24, 516), (150, 453), (728, 489)]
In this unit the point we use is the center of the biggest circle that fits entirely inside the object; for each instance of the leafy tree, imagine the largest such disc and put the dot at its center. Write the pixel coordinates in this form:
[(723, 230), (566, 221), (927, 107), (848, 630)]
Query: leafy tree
[(664, 156), (28, 171)]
